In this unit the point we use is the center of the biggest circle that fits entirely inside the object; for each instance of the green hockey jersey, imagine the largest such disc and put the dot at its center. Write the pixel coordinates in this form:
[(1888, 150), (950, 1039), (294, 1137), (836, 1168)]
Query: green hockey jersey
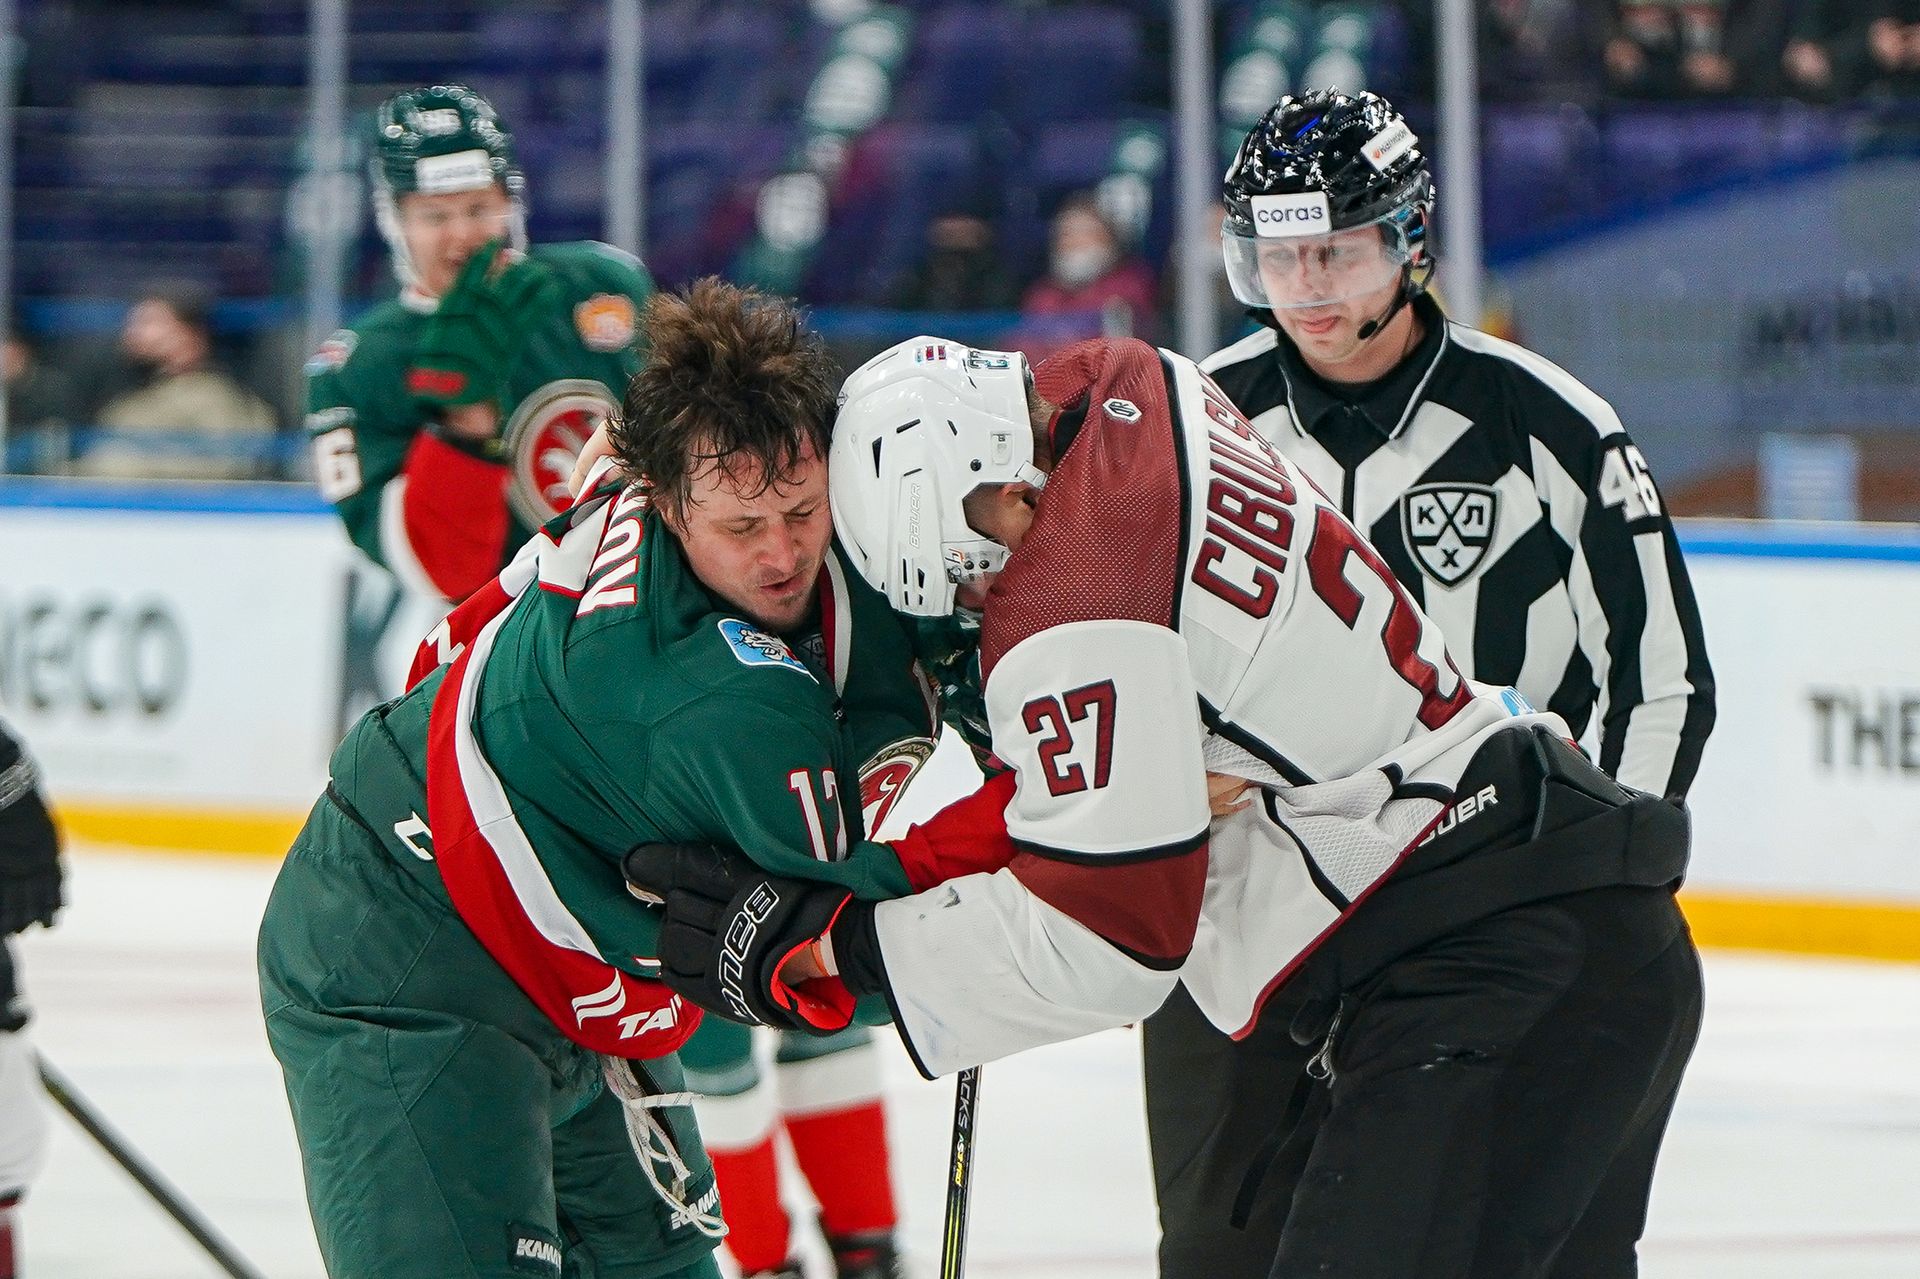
[(442, 520), (598, 697)]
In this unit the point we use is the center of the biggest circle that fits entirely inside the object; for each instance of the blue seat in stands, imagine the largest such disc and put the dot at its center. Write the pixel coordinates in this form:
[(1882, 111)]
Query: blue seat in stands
[(962, 64), (520, 38), (898, 176), (1068, 156), (693, 169), (746, 63), (1074, 64)]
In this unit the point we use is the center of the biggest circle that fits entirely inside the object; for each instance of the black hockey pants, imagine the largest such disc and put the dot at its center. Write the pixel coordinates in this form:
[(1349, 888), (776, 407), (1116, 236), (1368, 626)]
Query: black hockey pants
[(1496, 1101)]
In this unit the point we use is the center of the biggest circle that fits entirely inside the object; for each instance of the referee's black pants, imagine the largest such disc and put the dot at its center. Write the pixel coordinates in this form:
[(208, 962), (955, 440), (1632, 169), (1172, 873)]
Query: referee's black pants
[(1496, 1106)]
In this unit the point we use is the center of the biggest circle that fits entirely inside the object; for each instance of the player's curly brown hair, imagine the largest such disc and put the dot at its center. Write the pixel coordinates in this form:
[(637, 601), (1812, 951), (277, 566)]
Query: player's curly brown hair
[(733, 378)]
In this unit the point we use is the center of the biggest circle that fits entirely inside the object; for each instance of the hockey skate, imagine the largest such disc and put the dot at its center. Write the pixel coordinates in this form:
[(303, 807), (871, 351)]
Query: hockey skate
[(871, 1255)]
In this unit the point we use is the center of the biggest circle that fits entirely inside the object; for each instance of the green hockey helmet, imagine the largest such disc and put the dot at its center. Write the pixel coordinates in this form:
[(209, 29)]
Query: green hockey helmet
[(443, 138), (434, 140)]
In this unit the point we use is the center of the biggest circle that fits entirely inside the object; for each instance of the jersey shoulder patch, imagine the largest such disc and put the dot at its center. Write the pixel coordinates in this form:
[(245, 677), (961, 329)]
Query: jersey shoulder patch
[(884, 778), (332, 353), (752, 646), (362, 358), (605, 322)]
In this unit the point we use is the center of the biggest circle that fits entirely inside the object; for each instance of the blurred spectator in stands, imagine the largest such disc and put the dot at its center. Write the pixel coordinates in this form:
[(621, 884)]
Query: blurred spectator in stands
[(1088, 269), (41, 408), (963, 269), (1540, 50), (198, 422), (1826, 53), (1530, 50), (1669, 49), (1893, 46), (1756, 32)]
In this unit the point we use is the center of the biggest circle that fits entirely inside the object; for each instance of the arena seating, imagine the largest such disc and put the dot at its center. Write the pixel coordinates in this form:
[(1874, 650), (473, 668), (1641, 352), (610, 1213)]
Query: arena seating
[(159, 137)]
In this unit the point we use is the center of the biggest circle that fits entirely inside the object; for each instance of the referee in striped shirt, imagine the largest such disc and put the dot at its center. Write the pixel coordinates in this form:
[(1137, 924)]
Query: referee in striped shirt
[(1508, 500)]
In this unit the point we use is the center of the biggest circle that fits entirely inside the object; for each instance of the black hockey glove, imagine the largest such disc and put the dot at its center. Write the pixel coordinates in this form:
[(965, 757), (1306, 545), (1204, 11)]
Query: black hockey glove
[(730, 927), (30, 871)]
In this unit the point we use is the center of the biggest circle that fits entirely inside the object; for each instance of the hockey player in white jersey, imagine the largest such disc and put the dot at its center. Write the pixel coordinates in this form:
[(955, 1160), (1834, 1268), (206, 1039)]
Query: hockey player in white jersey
[(1508, 500), (1503, 989)]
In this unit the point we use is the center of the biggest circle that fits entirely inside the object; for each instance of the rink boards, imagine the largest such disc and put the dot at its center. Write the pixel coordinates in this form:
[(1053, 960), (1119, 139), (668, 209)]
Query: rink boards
[(182, 659)]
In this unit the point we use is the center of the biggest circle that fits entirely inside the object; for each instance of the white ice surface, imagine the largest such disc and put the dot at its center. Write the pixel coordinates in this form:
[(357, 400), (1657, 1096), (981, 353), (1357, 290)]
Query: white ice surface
[(1795, 1150)]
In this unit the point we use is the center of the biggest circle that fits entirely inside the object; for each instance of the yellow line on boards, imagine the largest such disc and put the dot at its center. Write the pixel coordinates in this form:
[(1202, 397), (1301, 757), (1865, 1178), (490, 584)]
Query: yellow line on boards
[(1800, 925), (1805, 925), (195, 830)]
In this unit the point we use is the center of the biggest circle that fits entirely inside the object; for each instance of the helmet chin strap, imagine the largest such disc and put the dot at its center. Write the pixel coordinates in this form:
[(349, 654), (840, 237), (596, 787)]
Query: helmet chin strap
[(386, 218), (1400, 297)]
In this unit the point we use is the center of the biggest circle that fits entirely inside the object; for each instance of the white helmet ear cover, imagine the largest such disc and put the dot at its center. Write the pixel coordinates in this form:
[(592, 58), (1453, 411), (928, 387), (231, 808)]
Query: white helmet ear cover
[(921, 425)]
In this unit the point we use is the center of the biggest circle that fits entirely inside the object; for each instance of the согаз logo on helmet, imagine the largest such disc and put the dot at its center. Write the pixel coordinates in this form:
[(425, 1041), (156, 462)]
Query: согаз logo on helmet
[(1297, 213)]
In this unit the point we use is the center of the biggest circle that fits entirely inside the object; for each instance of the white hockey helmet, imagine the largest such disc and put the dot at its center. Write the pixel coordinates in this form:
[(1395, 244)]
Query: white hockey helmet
[(921, 425)]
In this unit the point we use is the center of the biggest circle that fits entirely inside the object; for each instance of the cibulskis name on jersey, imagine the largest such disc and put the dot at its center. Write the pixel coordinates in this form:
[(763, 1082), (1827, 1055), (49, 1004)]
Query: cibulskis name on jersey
[(1186, 600)]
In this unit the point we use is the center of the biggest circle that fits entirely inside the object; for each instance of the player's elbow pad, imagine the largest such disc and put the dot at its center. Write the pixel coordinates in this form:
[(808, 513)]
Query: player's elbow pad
[(1148, 909)]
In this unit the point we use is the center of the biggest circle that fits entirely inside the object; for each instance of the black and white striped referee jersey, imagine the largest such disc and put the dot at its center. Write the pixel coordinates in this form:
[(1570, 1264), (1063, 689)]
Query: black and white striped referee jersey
[(1511, 502)]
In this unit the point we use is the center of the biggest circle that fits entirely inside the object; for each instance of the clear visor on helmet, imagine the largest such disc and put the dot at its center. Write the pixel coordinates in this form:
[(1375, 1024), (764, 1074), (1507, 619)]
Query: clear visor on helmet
[(1288, 263)]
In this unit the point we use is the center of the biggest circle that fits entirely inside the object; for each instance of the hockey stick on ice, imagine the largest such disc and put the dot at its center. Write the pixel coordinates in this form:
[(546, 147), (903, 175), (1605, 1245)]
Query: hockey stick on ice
[(150, 1181), (966, 1111)]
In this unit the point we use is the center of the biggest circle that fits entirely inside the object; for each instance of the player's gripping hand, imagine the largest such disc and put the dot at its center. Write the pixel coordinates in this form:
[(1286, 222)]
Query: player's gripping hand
[(475, 336), (949, 652), (598, 445), (742, 943)]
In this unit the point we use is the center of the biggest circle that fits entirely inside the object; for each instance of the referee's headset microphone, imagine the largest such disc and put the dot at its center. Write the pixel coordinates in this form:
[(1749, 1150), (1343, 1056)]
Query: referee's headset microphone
[(1407, 291), (1385, 318)]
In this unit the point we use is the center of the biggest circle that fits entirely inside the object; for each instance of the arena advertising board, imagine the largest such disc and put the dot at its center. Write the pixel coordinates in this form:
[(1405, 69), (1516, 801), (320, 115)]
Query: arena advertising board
[(1811, 781), (182, 675), (1695, 348)]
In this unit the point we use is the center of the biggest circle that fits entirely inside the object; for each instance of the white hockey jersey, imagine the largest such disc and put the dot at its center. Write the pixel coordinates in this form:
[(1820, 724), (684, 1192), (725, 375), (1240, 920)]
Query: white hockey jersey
[(1185, 601)]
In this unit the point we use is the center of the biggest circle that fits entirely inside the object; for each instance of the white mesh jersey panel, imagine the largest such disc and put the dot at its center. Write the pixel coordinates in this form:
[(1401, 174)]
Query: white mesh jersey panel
[(1350, 827)]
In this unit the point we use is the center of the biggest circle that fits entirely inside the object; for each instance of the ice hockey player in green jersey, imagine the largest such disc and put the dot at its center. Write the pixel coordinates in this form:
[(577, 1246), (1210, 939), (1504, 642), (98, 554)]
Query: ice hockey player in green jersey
[(457, 983), (444, 423)]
